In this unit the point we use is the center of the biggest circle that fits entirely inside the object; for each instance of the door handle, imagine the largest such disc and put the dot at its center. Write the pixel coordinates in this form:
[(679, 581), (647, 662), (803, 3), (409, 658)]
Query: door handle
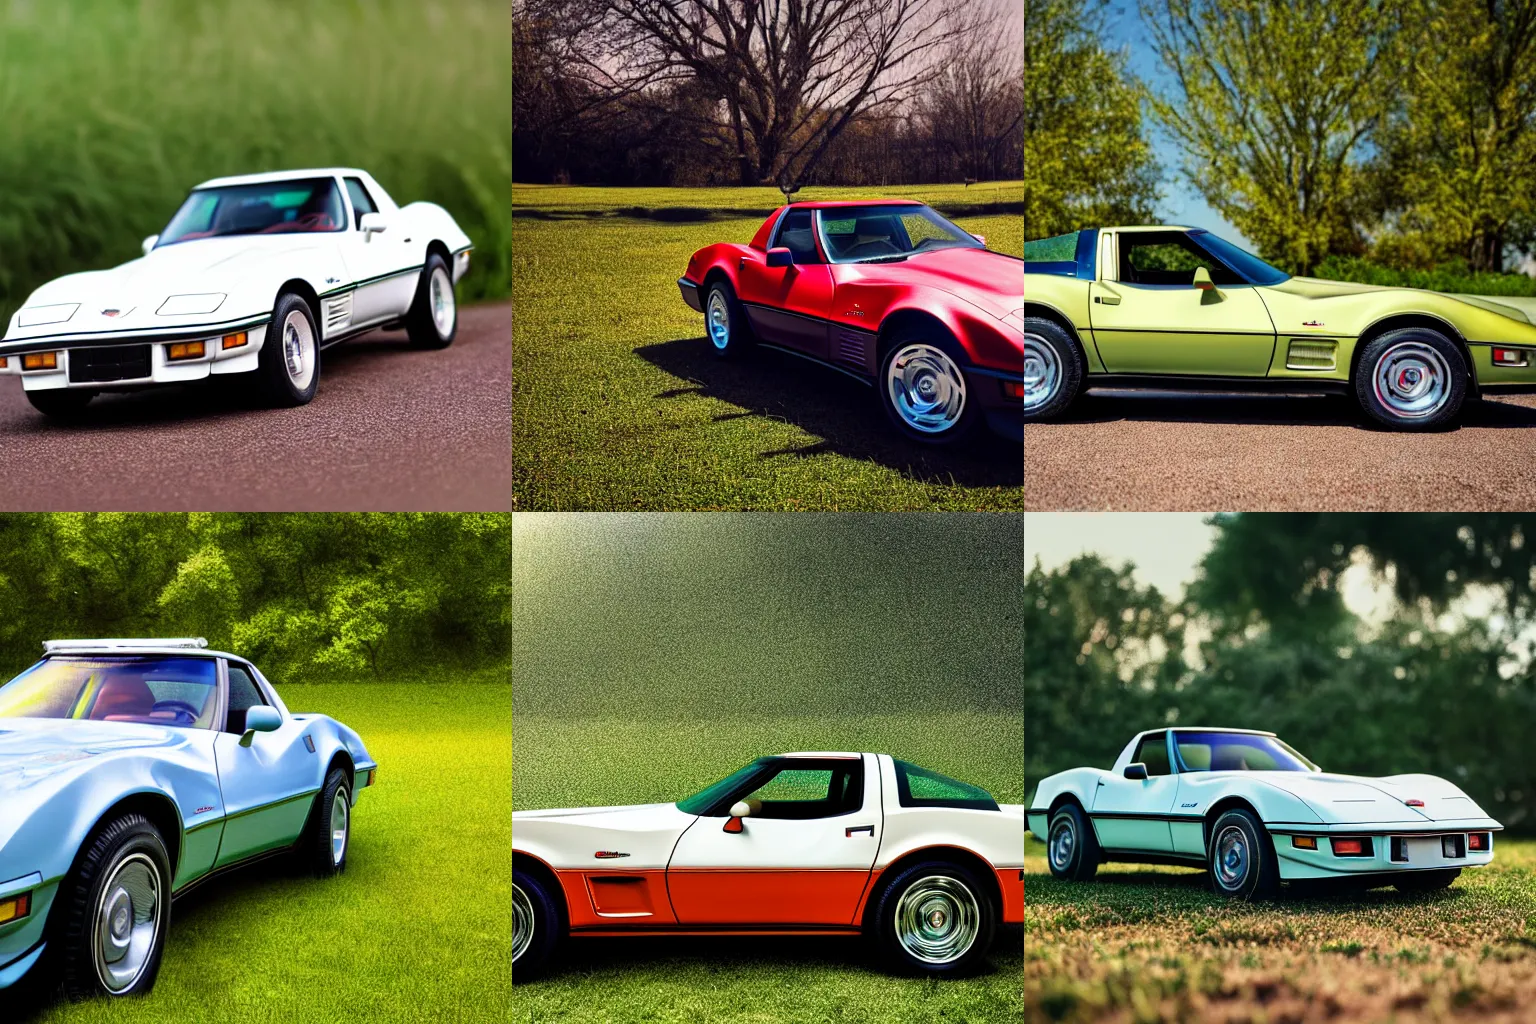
[(853, 830), (1108, 300)]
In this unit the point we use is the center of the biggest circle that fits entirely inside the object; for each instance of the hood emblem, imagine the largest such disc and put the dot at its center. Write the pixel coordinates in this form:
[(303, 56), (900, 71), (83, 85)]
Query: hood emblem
[(1312, 323), (608, 854), (1414, 803), (111, 312)]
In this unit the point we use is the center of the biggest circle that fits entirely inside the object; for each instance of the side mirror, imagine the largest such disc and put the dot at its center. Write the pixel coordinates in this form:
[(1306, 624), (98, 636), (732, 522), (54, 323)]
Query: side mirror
[(1203, 280), (371, 224), (740, 809), (149, 243), (1136, 771), (780, 257), (980, 238), (260, 719)]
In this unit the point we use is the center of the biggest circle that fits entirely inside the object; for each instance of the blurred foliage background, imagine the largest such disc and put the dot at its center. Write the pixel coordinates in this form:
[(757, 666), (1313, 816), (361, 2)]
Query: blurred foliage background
[(308, 597), (113, 110), (1442, 682)]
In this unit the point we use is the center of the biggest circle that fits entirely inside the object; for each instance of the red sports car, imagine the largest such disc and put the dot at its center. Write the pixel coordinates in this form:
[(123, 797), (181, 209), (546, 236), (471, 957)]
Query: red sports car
[(887, 290)]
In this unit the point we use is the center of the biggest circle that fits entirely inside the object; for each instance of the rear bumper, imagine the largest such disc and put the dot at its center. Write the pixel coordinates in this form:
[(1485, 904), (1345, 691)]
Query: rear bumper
[(690, 292)]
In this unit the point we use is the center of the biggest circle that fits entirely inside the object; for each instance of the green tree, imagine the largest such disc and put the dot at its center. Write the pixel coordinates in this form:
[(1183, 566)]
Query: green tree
[(1087, 161), (1272, 104)]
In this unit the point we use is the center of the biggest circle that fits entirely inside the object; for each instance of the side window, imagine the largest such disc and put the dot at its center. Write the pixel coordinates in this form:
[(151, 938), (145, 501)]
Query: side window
[(362, 202), (243, 695), (822, 791), (1168, 258), (795, 234), (1153, 753), (919, 787)]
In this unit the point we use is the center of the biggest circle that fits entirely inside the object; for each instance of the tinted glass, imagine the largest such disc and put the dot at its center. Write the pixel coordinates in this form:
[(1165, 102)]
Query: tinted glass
[(809, 792), (1153, 753), (919, 787), (279, 207), (1237, 752), (150, 690), (1245, 262), (862, 234), (796, 235), (707, 797), (1060, 249), (243, 695), (1167, 258), (362, 202)]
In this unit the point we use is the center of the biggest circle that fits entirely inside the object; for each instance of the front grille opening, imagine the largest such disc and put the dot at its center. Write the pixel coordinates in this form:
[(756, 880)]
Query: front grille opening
[(1310, 354), (119, 362)]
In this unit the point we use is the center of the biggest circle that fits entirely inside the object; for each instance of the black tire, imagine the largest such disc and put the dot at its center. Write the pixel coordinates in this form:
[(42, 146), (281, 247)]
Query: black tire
[(61, 403), (728, 329), (534, 907), (318, 846), (966, 909), (421, 322), (124, 849), (279, 386), (1052, 357), (1426, 881), (1077, 860), (1249, 869), (1398, 365), (915, 359)]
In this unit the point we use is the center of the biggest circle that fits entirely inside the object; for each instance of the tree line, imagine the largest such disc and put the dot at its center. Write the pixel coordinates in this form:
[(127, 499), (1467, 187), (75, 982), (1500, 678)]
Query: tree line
[(1263, 639), (1395, 131), (305, 596), (765, 92)]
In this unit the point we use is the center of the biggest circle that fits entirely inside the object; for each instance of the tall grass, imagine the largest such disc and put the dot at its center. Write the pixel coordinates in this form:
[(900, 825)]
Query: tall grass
[(111, 110)]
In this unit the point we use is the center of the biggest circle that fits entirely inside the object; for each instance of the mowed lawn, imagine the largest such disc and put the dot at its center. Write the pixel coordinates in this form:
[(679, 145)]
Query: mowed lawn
[(1145, 944), (595, 762), (620, 404), (418, 928)]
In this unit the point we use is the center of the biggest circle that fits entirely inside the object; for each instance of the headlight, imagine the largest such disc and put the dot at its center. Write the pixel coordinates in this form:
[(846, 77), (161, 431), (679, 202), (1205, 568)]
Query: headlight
[(182, 305), (37, 316)]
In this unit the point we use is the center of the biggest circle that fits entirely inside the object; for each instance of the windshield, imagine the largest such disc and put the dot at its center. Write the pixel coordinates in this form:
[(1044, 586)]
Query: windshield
[(151, 690), (707, 797), (301, 205), (1237, 752), (877, 234), (1253, 269)]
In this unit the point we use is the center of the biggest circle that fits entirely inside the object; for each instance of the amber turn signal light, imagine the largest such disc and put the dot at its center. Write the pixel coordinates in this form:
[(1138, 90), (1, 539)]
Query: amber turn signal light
[(40, 361), (185, 350), (15, 908), (234, 340), (1304, 842), (2, 362)]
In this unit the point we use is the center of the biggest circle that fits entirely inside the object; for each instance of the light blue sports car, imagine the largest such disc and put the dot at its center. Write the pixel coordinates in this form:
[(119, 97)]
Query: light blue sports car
[(132, 770)]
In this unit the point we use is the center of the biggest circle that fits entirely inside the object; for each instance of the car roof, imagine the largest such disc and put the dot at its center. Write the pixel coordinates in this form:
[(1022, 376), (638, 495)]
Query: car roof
[(1148, 227), (305, 172), (818, 204), (185, 647), (1205, 728), (820, 753)]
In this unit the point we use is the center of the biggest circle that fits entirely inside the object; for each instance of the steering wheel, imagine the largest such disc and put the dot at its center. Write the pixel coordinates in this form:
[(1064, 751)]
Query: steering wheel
[(878, 247), (181, 708)]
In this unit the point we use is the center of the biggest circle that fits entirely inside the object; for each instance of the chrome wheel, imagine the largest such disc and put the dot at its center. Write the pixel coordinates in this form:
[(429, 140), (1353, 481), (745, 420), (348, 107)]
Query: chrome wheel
[(1412, 380), (937, 919), (522, 921), (128, 919), (1063, 841), (339, 820), (440, 295), (1042, 372), (926, 388), (1232, 857), (299, 349), (718, 319)]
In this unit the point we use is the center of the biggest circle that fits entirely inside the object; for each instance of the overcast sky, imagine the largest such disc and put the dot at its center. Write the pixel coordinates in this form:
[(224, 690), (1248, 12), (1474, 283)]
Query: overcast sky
[(1164, 546)]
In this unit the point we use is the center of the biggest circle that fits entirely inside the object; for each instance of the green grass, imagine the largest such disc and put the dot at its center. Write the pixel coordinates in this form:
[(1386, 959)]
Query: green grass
[(563, 762), (618, 404), (417, 929), (112, 111), (1145, 944)]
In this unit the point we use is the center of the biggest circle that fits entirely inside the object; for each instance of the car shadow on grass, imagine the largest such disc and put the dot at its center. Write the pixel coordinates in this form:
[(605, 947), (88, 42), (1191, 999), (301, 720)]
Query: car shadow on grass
[(1141, 894), (1110, 405), (843, 413)]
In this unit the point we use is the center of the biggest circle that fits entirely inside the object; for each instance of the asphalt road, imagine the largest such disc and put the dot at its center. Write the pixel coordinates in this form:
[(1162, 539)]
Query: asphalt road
[(1139, 451), (392, 429)]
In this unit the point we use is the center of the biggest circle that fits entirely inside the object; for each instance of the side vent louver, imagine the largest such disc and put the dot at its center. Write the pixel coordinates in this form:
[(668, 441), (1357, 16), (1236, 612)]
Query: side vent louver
[(1311, 354), (851, 347), (338, 313)]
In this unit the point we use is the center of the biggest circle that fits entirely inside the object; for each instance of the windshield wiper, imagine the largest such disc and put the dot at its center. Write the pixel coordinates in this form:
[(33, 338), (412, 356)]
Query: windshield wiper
[(884, 259)]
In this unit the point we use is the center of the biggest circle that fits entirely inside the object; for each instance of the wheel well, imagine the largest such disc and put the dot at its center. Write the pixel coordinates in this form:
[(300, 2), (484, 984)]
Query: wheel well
[(344, 760), (530, 864), (950, 854), (1219, 808), (437, 246), (1060, 319), (1433, 323), (160, 811), (1065, 798), (905, 319), (301, 288)]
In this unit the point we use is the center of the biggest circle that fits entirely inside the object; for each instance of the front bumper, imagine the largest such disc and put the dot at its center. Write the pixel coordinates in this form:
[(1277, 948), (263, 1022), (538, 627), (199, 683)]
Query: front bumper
[(141, 360), (690, 292), (1423, 847), (991, 389), (21, 942)]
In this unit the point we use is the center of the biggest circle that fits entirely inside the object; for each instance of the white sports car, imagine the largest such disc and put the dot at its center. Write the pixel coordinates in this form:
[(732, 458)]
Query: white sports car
[(1254, 812), (254, 274), (797, 844)]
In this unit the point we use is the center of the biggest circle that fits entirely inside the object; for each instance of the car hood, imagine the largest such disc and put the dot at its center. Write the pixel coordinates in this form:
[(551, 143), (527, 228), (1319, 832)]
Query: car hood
[(991, 280), (639, 837), (1517, 308), (1348, 799), (36, 750), (136, 289)]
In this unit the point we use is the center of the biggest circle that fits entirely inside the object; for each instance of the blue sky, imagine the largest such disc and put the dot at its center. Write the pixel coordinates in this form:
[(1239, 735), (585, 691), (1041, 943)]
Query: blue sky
[(1180, 204)]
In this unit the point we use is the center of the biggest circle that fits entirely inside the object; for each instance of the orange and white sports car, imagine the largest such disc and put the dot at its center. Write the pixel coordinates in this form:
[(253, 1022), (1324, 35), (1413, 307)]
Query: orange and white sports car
[(794, 844)]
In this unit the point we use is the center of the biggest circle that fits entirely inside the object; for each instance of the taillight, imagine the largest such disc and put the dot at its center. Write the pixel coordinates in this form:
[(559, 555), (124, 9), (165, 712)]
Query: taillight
[(1354, 847)]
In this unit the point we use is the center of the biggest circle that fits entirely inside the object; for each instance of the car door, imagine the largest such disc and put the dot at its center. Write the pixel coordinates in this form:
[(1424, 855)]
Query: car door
[(379, 262), (804, 857), (1149, 318), (268, 786), (1132, 814), (792, 305)]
